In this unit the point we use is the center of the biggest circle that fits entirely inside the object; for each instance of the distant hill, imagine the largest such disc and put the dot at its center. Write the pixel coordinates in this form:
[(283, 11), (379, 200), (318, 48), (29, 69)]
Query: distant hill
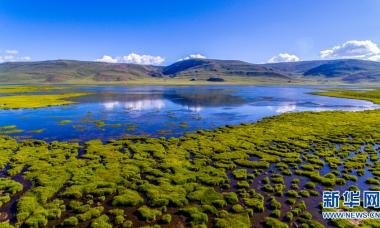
[(213, 67), (71, 71), (60, 71), (347, 70)]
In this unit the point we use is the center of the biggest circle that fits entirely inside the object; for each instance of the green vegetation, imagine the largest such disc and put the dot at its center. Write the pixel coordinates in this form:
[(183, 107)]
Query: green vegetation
[(29, 89), (127, 198), (222, 178), (11, 129), (63, 122), (370, 95), (192, 71), (37, 101)]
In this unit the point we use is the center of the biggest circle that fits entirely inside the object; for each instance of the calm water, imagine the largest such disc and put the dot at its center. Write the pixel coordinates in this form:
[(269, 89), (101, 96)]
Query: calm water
[(112, 112)]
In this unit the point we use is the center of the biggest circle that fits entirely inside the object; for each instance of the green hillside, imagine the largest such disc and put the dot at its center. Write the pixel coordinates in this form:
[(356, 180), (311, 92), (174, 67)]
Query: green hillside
[(195, 71)]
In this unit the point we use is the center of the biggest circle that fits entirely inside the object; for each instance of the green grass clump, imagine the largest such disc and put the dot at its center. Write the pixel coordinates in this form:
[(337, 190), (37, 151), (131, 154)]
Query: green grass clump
[(372, 181), (166, 219), (242, 184), (233, 220), (290, 201), (304, 193), (117, 211), (276, 213), (90, 214), (164, 194), (195, 215), (63, 122), (119, 219), (253, 164), (148, 214), (127, 198), (8, 186), (36, 220), (292, 193), (255, 201), (237, 208), (128, 224), (350, 177), (278, 179), (240, 173), (279, 189), (71, 221), (101, 222), (274, 204), (274, 223), (205, 195), (231, 197), (310, 185), (289, 216)]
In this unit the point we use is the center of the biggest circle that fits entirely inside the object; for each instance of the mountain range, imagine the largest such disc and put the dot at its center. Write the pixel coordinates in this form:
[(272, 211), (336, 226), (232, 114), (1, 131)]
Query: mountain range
[(71, 71)]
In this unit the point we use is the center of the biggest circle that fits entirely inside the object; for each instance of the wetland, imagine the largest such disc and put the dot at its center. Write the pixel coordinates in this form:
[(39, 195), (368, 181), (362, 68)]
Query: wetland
[(220, 156)]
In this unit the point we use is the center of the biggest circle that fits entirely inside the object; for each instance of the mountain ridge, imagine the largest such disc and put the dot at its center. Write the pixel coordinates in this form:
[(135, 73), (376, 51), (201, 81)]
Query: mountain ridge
[(61, 71)]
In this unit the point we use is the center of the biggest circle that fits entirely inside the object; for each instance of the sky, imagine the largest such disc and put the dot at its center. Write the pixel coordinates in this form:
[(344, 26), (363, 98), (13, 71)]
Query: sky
[(161, 32)]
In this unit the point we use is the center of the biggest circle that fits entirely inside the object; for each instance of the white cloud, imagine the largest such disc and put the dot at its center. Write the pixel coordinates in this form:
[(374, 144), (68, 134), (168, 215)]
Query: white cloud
[(133, 58), (193, 56), (25, 58), (7, 58), (12, 56), (142, 59), (363, 49), (284, 57), (11, 52), (374, 58), (107, 59)]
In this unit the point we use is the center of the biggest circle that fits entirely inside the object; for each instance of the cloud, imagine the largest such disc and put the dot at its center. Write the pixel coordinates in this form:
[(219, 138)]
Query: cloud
[(107, 59), (284, 57), (142, 59), (193, 56), (374, 58), (362, 49), (12, 56), (133, 58), (25, 58), (11, 52)]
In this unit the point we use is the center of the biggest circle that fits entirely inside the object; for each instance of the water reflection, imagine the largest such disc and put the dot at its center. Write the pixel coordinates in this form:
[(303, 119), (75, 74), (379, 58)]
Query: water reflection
[(144, 105), (109, 106), (286, 107), (196, 99), (168, 111)]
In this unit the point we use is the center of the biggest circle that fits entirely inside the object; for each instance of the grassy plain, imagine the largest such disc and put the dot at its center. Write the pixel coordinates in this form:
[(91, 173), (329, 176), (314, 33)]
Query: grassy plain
[(187, 81), (29, 88), (37, 101), (18, 96), (369, 95), (268, 173)]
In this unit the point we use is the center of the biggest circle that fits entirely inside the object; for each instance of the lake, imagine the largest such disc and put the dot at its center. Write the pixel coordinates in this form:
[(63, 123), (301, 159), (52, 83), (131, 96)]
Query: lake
[(162, 111)]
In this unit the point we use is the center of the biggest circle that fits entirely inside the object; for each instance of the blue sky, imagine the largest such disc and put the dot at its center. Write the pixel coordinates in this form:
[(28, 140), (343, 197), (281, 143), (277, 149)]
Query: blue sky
[(249, 30)]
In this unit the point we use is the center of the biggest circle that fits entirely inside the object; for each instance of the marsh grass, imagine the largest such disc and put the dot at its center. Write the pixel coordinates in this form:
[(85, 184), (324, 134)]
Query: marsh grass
[(37, 101), (141, 181)]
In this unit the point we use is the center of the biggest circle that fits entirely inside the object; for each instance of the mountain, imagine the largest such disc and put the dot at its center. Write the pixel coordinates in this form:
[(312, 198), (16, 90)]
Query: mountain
[(59, 71), (213, 67), (347, 70), (72, 71)]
